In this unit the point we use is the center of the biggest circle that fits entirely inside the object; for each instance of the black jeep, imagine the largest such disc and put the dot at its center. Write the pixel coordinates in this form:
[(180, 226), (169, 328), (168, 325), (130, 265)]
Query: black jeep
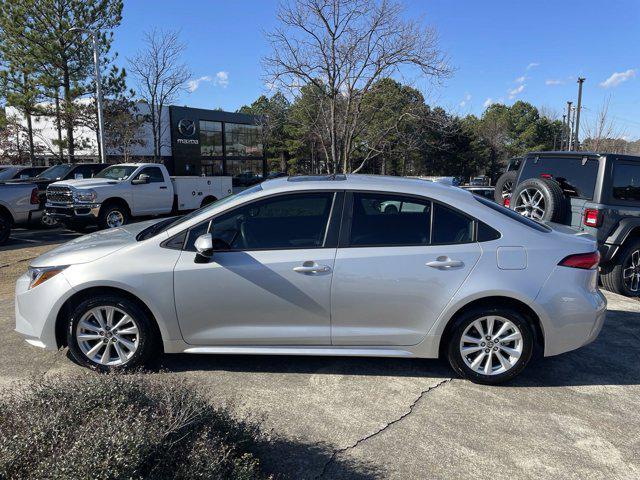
[(598, 193)]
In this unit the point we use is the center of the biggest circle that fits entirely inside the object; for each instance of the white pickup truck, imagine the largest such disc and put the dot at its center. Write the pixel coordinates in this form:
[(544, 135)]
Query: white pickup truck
[(127, 190)]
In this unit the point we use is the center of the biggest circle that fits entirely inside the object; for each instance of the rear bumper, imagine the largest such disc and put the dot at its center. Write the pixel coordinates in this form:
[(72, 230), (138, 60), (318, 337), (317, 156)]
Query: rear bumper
[(87, 213), (575, 309)]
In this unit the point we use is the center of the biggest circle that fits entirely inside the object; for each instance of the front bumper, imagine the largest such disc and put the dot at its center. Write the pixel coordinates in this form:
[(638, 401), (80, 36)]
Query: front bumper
[(77, 212), (37, 309)]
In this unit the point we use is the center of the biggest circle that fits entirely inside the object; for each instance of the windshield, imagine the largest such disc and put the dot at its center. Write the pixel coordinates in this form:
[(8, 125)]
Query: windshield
[(575, 175), (168, 223), (117, 172), (513, 215), (56, 172)]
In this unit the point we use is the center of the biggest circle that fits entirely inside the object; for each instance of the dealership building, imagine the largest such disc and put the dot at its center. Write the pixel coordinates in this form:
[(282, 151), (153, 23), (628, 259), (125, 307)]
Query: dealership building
[(194, 141)]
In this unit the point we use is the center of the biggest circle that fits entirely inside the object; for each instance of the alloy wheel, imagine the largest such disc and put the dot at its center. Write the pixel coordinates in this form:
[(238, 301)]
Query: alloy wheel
[(530, 203), (491, 345), (631, 272), (107, 335), (115, 219)]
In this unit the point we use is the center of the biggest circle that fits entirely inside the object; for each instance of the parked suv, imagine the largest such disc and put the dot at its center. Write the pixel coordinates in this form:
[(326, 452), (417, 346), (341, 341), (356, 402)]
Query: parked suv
[(595, 193)]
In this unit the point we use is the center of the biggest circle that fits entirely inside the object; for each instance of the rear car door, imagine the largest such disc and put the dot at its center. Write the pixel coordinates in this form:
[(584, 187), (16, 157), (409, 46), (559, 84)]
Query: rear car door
[(271, 284), (397, 267), (154, 197)]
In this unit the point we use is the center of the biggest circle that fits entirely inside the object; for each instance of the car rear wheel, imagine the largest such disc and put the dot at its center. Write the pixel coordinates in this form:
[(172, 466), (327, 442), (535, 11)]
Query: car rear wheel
[(622, 275), (490, 346), (5, 227), (109, 332), (504, 187)]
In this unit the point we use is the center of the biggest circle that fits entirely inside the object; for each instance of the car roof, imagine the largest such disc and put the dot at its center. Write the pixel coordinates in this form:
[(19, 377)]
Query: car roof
[(364, 182), (579, 153)]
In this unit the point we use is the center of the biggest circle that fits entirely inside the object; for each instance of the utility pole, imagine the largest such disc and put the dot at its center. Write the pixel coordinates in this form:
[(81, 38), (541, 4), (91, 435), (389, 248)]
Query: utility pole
[(96, 61), (572, 122), (568, 126), (577, 139), (563, 138)]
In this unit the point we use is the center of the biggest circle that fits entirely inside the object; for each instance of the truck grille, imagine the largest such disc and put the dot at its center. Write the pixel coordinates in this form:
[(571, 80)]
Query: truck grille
[(59, 194)]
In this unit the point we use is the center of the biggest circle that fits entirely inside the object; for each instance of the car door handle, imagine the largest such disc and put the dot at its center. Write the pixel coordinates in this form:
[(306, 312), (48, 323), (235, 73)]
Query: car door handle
[(445, 263), (163, 188), (315, 268)]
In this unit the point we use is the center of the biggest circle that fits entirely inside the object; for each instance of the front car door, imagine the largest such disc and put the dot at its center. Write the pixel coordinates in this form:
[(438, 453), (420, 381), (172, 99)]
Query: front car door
[(270, 284), (154, 197), (400, 261)]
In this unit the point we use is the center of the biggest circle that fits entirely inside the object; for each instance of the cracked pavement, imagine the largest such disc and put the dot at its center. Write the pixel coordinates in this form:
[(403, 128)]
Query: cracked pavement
[(573, 416)]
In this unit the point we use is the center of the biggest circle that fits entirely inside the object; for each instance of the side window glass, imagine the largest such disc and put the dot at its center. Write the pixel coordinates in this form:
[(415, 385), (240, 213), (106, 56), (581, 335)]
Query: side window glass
[(626, 182), (450, 226), (486, 233), (287, 221), (155, 174), (386, 219)]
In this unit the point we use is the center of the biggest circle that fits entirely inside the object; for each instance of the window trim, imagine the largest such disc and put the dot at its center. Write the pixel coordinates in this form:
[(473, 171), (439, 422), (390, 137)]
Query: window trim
[(347, 220), (331, 233)]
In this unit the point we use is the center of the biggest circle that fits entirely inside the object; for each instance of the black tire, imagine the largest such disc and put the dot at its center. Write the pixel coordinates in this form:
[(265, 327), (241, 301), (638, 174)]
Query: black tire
[(612, 273), (110, 209), (148, 343), (5, 227), (555, 205), (457, 361), (505, 184)]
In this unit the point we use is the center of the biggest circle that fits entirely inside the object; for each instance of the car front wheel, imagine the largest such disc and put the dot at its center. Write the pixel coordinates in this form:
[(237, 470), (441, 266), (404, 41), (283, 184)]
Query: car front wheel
[(490, 346), (108, 332)]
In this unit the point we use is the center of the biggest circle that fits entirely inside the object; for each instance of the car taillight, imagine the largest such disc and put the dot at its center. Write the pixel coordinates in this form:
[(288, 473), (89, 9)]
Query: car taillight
[(506, 202), (35, 200), (591, 217), (586, 261), (546, 175)]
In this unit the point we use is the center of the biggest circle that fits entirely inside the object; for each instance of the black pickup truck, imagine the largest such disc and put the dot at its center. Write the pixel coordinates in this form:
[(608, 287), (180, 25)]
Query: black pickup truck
[(598, 193)]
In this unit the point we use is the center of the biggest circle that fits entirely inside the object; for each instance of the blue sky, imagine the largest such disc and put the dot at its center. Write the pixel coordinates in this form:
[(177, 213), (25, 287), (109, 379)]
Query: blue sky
[(501, 51)]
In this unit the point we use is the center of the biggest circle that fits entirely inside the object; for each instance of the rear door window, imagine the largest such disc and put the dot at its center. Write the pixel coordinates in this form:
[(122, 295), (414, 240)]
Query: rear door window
[(576, 176), (450, 226), (626, 182)]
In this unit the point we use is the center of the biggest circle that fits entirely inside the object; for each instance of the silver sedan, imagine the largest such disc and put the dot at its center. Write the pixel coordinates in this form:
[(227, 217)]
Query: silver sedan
[(322, 266)]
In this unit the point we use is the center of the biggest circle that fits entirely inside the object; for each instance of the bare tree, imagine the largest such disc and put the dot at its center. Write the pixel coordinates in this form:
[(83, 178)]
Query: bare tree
[(161, 76), (602, 133), (342, 47)]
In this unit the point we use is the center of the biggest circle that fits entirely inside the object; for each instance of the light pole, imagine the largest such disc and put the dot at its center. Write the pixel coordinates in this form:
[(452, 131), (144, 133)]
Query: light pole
[(96, 61)]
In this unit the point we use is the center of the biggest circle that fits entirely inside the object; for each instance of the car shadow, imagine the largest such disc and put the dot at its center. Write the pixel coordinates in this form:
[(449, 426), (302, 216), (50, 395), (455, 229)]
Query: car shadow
[(25, 238), (612, 359)]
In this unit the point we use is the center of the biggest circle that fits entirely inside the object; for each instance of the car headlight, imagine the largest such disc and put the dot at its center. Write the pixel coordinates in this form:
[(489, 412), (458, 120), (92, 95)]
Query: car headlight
[(40, 275), (85, 195)]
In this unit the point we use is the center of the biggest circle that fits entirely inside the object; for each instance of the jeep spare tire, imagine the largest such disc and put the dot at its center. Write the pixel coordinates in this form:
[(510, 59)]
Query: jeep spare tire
[(539, 199), (504, 186)]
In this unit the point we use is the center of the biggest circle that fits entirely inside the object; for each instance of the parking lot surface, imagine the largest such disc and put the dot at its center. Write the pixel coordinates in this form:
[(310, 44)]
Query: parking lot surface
[(572, 416)]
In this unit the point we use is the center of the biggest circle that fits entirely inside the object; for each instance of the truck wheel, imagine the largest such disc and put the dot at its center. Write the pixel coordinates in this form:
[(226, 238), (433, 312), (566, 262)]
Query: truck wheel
[(504, 186), (622, 275), (540, 199), (113, 216), (5, 227), (207, 201)]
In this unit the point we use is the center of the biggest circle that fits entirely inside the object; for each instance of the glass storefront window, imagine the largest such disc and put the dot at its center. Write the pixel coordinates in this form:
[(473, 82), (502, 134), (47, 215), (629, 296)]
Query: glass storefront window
[(245, 172), (210, 138), (211, 167), (243, 140)]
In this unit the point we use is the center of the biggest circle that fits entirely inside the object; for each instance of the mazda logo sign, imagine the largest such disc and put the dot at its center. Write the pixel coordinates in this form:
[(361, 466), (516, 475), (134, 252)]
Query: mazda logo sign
[(187, 127)]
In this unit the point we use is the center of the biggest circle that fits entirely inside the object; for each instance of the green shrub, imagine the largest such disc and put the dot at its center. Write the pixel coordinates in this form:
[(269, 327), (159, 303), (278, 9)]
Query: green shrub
[(121, 426)]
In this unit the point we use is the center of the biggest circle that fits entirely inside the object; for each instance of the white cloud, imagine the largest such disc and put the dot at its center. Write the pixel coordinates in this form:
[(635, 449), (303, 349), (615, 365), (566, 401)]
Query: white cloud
[(466, 99), (532, 65), (618, 77), (553, 81), (222, 79), (516, 91), (193, 85), (520, 79), (488, 102)]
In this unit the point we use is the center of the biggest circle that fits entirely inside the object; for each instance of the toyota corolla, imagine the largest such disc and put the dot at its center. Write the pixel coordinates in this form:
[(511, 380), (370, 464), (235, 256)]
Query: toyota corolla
[(322, 266)]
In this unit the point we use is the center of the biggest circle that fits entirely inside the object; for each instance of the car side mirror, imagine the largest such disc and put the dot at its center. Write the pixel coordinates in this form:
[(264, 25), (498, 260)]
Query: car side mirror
[(204, 245), (141, 180)]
